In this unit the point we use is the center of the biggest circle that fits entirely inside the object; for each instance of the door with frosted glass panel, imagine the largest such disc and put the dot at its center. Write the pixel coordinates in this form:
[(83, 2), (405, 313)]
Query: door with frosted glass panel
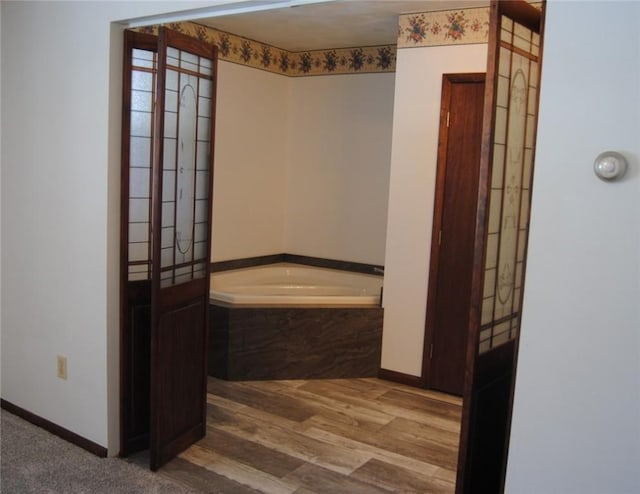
[(169, 96), (502, 225)]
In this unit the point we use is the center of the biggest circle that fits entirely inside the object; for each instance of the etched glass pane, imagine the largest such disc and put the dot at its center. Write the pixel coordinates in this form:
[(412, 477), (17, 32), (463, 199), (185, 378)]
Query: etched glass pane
[(140, 152), (494, 211), (138, 232), (186, 161), (139, 185), (514, 137), (141, 101)]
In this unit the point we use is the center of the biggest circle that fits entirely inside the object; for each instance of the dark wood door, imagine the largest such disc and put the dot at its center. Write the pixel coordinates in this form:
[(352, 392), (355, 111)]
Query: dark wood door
[(501, 232), (140, 54), (447, 318), (181, 208)]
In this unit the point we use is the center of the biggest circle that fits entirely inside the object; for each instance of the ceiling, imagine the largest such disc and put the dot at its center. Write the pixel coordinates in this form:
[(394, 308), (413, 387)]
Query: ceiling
[(333, 24)]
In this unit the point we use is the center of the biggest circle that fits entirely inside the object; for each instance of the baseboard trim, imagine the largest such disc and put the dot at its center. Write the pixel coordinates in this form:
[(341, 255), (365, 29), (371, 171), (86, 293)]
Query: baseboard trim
[(55, 429), (399, 377)]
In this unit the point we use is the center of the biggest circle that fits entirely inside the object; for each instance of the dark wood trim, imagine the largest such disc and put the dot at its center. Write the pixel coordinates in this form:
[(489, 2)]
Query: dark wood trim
[(399, 377), (55, 429), (356, 267), (523, 13), (247, 262), (477, 280)]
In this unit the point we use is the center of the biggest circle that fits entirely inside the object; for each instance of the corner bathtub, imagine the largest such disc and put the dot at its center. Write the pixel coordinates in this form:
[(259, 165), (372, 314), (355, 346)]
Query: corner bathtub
[(288, 321), (294, 284)]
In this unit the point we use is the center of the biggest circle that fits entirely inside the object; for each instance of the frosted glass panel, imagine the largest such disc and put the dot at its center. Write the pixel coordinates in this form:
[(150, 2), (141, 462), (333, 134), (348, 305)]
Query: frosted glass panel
[(497, 175), (139, 182), (186, 165), (138, 232), (202, 211), (138, 252), (168, 187), (505, 62), (141, 101), (489, 283), (143, 80), (140, 152), (204, 105), (494, 211), (509, 197), (503, 92), (492, 250), (143, 58), (166, 241), (139, 210), (501, 125), (140, 123)]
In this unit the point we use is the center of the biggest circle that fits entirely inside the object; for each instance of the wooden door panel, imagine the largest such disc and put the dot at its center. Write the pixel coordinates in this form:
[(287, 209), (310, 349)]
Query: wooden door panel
[(454, 222), (181, 207), (181, 336), (137, 357)]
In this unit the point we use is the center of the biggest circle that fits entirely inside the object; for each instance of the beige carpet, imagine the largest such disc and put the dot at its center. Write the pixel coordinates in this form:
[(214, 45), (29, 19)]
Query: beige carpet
[(35, 461)]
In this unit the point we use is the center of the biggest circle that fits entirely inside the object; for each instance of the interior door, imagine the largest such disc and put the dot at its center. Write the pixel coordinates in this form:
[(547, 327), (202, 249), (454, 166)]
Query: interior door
[(453, 232), (181, 208), (135, 238), (502, 224)]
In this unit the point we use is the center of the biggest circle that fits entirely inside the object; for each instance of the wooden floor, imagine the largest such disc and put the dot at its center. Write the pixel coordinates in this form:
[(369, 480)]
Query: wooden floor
[(337, 436)]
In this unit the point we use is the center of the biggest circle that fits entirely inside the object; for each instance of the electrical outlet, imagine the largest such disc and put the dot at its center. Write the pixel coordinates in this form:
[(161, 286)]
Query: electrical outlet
[(62, 367)]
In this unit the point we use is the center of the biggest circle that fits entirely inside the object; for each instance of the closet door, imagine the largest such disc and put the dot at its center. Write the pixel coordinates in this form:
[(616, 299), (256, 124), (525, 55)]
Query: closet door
[(502, 226), (140, 69), (181, 209)]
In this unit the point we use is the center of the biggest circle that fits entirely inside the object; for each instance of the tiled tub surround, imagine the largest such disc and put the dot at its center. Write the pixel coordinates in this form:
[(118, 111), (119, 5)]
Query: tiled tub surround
[(318, 336)]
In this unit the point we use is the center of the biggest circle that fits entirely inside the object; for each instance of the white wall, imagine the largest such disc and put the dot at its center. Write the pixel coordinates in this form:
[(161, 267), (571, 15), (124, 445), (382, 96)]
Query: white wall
[(250, 184), (60, 193), (339, 159), (302, 165), (576, 422), (411, 195)]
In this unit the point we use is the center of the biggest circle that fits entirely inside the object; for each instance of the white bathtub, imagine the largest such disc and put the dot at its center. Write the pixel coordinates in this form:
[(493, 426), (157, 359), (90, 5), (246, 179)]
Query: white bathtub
[(294, 284)]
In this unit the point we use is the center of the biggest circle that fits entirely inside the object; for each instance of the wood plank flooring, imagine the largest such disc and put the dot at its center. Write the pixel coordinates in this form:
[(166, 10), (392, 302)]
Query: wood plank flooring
[(355, 436)]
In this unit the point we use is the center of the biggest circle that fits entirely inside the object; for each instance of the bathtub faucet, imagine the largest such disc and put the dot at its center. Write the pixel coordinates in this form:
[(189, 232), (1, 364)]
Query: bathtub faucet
[(377, 270)]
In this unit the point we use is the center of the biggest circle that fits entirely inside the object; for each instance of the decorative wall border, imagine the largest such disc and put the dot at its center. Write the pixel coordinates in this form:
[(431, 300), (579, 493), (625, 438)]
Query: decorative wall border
[(446, 27), (245, 51)]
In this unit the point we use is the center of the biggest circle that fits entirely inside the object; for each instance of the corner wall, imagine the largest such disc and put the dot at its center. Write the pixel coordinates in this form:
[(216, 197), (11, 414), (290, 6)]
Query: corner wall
[(411, 195), (302, 164), (250, 183), (339, 151)]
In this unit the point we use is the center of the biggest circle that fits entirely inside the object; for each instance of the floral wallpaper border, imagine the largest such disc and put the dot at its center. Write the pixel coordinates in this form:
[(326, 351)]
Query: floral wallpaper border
[(446, 27), (258, 55)]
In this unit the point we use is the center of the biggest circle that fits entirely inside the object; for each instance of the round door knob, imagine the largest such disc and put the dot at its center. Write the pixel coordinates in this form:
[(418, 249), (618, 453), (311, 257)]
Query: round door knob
[(610, 165)]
